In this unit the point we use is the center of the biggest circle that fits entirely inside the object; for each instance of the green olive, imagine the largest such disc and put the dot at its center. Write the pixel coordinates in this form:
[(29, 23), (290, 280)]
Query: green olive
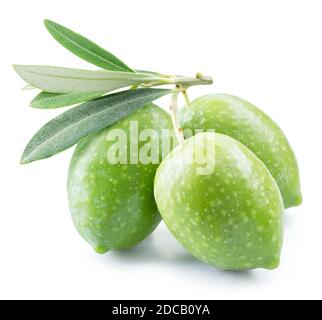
[(232, 217), (112, 205), (244, 122)]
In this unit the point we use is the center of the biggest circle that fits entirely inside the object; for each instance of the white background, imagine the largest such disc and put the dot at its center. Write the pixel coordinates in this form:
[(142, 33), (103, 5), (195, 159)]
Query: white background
[(268, 52)]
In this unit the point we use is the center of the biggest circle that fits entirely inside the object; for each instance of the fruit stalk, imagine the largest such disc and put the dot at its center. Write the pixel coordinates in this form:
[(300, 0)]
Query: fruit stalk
[(186, 97), (174, 116)]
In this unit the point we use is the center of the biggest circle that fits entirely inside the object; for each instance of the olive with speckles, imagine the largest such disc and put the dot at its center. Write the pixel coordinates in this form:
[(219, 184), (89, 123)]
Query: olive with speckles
[(112, 204), (231, 216), (244, 122)]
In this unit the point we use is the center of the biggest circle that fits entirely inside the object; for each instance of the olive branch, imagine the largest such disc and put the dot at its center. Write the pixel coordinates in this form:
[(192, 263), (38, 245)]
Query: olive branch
[(102, 97)]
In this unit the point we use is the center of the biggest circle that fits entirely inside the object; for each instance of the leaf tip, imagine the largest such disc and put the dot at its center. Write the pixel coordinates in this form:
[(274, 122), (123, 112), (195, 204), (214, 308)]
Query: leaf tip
[(24, 157), (50, 25), (48, 22), (17, 67), (23, 160)]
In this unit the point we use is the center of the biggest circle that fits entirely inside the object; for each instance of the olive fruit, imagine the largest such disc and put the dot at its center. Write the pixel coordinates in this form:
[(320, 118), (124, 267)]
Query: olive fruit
[(244, 122), (112, 204), (232, 217)]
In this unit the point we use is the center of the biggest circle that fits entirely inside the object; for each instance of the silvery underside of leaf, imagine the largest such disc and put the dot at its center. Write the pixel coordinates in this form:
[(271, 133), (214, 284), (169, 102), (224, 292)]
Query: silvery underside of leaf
[(68, 80)]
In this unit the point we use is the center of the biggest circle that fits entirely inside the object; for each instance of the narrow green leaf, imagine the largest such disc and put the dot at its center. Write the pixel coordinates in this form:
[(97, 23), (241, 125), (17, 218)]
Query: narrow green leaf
[(70, 127), (66, 80), (85, 48), (48, 100)]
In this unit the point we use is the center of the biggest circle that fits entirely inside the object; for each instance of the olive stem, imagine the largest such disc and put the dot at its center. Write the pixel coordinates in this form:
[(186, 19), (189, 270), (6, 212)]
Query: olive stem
[(174, 116), (200, 79), (186, 97), (181, 82)]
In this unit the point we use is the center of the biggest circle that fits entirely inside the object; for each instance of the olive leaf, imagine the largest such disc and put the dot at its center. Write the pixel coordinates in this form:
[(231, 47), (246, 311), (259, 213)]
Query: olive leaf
[(67, 80), (70, 127), (48, 100), (152, 72), (84, 48)]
